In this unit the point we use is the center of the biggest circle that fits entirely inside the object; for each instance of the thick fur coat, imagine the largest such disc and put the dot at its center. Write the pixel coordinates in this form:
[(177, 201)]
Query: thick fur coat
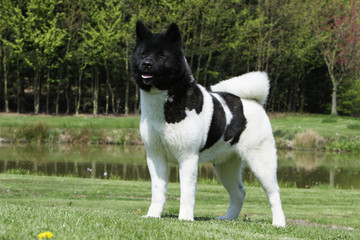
[(184, 123)]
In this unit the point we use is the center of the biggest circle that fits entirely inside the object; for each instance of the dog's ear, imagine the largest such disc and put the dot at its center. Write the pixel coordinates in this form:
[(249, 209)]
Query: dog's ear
[(173, 34), (142, 32)]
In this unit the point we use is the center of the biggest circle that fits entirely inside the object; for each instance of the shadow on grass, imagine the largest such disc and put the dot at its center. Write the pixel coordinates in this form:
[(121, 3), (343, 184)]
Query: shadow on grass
[(169, 215)]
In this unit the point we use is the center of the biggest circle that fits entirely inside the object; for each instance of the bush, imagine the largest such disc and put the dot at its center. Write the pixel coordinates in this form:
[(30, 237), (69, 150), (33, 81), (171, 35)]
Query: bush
[(354, 126), (329, 120), (348, 144), (309, 139), (39, 132)]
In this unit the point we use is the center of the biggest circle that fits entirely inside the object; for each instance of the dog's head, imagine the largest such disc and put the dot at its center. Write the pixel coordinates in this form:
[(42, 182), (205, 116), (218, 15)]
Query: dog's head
[(158, 59)]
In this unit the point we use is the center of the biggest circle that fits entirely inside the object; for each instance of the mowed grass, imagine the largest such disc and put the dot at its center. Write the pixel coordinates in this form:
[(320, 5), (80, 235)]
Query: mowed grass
[(325, 125), (13, 120), (73, 208)]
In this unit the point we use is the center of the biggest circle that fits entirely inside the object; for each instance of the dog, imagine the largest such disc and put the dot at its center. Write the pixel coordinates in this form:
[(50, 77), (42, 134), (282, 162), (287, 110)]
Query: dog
[(184, 123)]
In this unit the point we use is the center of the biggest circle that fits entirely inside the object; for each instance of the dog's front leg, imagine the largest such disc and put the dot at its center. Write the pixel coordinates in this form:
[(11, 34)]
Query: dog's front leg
[(158, 169), (188, 179)]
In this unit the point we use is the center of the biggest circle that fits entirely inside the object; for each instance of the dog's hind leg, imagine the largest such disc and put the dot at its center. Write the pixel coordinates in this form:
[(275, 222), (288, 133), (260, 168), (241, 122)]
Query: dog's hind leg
[(262, 161), (158, 169), (229, 174)]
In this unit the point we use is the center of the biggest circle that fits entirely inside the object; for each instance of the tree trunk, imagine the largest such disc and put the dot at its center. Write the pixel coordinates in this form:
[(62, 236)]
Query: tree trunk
[(37, 90), (107, 88), (78, 102), (334, 101), (18, 87), (198, 68), (5, 83), (207, 67), (127, 79), (57, 99), (67, 101), (95, 92), (330, 62), (47, 91)]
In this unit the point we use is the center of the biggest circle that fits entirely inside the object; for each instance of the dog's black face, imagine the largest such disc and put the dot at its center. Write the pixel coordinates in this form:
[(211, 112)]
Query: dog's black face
[(158, 59)]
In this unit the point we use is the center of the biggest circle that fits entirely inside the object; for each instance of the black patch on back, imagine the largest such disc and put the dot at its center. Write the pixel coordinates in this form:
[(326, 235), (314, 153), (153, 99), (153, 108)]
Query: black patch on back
[(181, 98), (217, 126), (238, 122)]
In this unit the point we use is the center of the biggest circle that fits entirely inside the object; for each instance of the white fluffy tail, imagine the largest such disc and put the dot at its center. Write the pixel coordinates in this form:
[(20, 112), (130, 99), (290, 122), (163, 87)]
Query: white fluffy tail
[(253, 85)]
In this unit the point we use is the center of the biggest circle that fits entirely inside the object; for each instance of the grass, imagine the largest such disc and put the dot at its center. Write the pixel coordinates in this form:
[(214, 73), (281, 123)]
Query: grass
[(325, 125), (73, 208), (71, 122), (81, 129), (335, 133)]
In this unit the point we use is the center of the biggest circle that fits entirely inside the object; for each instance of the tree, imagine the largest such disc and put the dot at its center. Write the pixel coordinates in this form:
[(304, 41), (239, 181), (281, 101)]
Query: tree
[(44, 38), (338, 31)]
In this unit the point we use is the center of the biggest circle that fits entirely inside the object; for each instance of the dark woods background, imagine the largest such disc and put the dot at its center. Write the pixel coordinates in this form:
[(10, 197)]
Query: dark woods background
[(72, 56)]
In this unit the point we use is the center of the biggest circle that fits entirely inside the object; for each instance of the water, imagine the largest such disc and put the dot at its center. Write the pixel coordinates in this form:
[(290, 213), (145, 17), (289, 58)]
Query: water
[(295, 168)]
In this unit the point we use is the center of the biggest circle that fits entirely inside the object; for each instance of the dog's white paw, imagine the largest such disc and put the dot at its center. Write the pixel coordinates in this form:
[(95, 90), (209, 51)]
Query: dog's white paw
[(186, 218), (279, 224), (151, 216)]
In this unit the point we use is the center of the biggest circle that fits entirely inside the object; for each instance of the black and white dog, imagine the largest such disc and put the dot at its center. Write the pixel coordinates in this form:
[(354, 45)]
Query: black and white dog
[(182, 122)]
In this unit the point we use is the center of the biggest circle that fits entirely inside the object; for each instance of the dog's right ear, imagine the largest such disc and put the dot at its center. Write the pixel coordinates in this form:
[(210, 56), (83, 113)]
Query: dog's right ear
[(142, 32)]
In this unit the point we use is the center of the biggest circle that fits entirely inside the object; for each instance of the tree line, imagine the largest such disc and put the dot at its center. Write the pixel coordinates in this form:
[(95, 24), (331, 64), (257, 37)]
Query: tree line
[(72, 56)]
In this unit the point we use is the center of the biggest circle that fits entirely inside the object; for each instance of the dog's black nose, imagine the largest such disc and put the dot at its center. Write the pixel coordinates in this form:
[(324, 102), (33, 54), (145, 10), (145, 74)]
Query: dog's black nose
[(146, 65)]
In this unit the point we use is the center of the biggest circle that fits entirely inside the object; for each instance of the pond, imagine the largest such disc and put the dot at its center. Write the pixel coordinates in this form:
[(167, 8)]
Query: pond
[(302, 169)]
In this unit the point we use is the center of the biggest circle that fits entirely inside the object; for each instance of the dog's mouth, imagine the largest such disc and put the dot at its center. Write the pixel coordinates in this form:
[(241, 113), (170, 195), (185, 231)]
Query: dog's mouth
[(146, 76), (147, 79)]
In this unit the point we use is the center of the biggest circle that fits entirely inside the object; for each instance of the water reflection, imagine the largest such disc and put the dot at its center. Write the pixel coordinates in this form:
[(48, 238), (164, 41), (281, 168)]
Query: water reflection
[(300, 169)]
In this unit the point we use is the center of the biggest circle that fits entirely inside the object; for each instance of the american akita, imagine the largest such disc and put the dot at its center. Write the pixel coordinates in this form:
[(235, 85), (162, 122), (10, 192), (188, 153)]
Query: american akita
[(182, 122)]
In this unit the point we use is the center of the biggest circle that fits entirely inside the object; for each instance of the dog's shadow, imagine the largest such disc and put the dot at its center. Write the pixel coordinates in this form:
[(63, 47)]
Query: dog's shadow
[(169, 215)]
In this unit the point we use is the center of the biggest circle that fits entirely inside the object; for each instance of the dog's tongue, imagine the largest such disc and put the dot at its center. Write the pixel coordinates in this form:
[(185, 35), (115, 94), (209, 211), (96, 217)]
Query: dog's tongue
[(146, 76)]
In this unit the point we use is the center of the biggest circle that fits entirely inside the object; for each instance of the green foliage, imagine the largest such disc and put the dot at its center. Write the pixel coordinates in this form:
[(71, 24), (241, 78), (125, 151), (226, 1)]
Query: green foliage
[(354, 126), (341, 143), (329, 120), (77, 53), (349, 98), (38, 132)]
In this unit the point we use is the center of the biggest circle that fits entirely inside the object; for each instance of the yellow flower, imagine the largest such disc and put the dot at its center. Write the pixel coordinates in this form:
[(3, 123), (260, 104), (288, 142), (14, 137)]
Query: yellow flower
[(138, 211), (45, 235)]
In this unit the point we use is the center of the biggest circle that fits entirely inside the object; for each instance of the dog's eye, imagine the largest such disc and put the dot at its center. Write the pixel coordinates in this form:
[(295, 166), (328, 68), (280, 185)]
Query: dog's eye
[(162, 55)]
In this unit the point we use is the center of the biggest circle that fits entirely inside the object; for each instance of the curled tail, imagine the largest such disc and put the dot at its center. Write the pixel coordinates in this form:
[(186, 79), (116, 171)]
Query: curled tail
[(253, 86)]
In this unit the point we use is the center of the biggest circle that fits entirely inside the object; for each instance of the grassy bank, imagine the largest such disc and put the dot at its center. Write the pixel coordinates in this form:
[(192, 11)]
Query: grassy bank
[(314, 131), (293, 131), (70, 129), (73, 208)]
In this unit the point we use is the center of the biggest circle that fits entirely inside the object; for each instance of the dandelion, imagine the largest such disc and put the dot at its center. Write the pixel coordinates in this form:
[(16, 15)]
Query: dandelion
[(105, 174), (138, 211), (45, 235)]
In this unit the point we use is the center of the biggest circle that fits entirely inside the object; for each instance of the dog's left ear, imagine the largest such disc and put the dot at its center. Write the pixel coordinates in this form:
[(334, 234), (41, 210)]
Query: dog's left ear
[(173, 34), (142, 32)]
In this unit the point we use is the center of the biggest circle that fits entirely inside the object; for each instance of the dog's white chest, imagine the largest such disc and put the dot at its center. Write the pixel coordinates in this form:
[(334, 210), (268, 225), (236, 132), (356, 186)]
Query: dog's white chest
[(173, 138)]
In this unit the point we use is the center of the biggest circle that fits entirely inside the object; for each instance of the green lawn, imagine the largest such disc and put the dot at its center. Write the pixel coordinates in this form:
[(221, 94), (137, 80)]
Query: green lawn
[(325, 125), (73, 208), (71, 121)]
